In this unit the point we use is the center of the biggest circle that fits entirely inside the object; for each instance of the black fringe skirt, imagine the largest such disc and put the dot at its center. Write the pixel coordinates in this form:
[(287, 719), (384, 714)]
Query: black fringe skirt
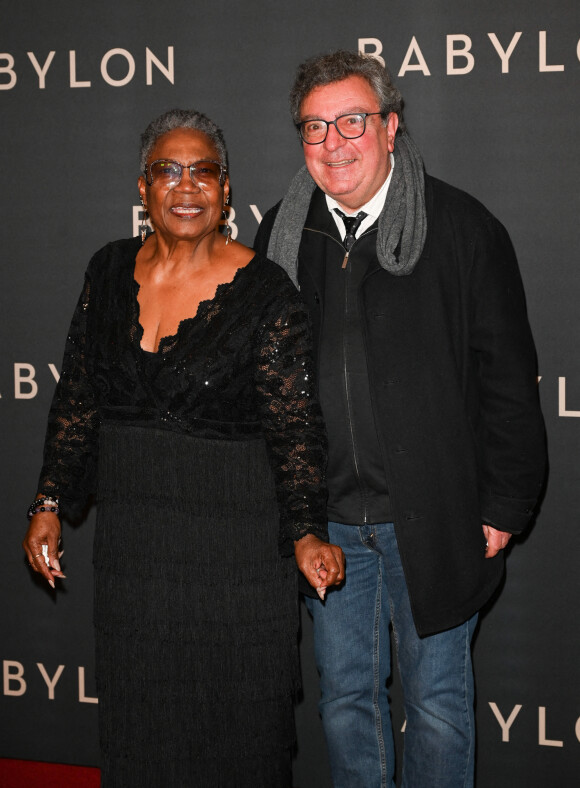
[(196, 614)]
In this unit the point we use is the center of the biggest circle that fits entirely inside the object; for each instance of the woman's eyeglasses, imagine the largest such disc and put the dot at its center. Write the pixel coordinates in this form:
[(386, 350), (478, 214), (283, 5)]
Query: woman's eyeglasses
[(167, 173)]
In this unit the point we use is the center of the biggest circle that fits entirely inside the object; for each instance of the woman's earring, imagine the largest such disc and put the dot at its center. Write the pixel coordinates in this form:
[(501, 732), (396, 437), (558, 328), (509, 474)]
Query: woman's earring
[(144, 226), (226, 223), (228, 228)]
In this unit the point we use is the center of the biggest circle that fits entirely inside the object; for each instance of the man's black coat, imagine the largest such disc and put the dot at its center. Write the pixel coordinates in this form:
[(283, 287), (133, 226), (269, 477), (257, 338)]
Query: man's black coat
[(452, 370)]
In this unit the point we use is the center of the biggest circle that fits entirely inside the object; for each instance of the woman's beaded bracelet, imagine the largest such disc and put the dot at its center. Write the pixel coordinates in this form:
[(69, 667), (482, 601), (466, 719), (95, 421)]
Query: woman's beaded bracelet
[(45, 504)]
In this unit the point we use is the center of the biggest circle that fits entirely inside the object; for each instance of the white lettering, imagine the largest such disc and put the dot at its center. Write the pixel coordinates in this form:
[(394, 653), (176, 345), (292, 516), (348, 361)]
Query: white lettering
[(10, 677), (50, 683), (505, 725), (151, 60), (504, 54), (562, 401), (83, 698), (578, 50), (20, 380), (421, 64), (577, 729), (363, 43), (72, 59), (256, 212), (7, 69), (130, 71), (41, 70), (542, 730), (55, 373), (464, 52), (543, 56)]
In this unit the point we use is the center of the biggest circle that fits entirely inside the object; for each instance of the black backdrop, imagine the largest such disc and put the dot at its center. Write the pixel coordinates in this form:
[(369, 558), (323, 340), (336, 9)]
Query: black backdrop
[(492, 99)]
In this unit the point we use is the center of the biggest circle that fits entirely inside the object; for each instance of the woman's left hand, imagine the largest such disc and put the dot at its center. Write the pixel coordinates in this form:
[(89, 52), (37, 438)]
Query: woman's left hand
[(322, 564)]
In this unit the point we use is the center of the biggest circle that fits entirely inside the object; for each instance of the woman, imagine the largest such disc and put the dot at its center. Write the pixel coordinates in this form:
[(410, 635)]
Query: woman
[(187, 371)]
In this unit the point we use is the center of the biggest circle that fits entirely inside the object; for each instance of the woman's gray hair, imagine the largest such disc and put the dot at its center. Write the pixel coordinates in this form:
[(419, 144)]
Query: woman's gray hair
[(181, 119), (334, 67)]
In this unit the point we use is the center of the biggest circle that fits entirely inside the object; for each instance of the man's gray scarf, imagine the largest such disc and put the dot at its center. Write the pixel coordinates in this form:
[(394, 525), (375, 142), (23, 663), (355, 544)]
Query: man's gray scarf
[(402, 223)]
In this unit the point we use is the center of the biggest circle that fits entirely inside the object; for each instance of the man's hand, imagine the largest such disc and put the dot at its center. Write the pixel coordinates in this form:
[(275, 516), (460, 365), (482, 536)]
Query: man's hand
[(496, 540)]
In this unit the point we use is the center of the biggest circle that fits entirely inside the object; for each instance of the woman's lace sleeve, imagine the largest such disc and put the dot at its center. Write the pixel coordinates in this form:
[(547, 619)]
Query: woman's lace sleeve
[(292, 423), (70, 446)]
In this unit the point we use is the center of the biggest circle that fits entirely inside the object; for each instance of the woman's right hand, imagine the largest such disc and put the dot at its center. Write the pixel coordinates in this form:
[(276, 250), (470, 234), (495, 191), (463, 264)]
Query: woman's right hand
[(44, 529)]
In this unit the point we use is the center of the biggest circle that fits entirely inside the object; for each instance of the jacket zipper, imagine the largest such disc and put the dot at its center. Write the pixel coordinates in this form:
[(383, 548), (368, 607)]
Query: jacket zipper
[(356, 465), (345, 376)]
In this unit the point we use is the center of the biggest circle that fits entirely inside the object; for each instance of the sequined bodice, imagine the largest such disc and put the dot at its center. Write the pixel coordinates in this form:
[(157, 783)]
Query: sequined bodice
[(240, 369)]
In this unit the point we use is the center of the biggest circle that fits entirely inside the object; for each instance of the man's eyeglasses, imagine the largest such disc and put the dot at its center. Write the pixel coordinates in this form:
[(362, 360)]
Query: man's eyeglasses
[(350, 126), (167, 173)]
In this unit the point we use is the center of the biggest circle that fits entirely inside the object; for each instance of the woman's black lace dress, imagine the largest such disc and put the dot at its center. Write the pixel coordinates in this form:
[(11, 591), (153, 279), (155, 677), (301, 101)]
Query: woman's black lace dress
[(207, 461)]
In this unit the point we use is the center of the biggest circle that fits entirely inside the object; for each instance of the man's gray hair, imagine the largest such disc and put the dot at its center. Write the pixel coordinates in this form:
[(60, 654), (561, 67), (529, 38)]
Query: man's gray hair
[(333, 67), (181, 119)]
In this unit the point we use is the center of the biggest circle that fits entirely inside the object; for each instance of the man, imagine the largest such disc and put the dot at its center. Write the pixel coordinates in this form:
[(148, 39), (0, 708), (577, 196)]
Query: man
[(427, 378)]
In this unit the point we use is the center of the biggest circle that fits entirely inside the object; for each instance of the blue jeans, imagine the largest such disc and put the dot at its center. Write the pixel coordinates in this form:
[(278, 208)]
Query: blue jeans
[(351, 641)]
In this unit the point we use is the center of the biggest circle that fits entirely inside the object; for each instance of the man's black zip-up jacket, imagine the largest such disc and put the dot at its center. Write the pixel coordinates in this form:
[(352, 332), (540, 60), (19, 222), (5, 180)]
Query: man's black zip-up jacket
[(453, 392)]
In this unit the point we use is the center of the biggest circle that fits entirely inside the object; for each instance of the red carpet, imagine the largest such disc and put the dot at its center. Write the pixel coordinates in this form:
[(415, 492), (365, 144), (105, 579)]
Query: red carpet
[(32, 774)]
